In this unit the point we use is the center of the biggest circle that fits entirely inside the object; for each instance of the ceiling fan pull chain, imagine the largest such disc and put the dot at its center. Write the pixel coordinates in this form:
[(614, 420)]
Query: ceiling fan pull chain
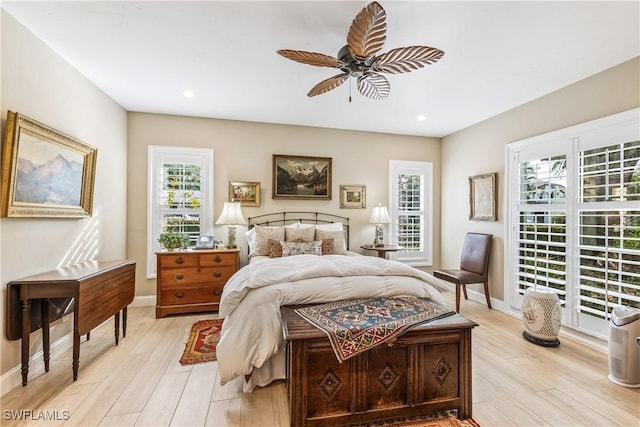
[(349, 90)]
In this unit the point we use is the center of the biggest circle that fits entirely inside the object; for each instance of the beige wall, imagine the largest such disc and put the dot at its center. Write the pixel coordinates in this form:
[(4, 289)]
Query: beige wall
[(38, 83), (480, 149), (243, 152)]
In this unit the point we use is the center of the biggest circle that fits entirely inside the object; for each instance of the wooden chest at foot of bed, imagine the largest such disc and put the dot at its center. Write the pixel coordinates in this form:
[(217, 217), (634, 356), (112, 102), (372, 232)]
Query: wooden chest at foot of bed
[(426, 370)]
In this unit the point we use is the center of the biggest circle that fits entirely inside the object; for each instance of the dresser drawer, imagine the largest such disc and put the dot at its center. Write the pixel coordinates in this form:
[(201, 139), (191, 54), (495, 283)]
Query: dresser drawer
[(218, 259), (187, 276), (177, 260), (191, 294)]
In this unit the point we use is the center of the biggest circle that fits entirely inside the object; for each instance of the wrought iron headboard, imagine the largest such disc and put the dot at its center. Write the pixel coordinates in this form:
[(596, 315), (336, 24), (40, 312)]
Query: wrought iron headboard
[(286, 218)]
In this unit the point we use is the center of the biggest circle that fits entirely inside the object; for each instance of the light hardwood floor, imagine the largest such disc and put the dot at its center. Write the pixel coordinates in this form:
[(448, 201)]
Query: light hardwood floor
[(141, 383)]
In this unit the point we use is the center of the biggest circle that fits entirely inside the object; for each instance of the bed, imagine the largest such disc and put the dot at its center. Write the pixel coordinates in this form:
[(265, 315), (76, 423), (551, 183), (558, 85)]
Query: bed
[(251, 343)]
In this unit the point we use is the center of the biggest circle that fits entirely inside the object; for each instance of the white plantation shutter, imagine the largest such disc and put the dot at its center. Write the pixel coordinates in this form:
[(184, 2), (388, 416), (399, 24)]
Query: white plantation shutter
[(180, 197), (411, 189), (574, 219)]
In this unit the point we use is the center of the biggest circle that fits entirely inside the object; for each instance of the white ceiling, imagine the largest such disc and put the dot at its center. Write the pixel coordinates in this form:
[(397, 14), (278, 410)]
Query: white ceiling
[(498, 55)]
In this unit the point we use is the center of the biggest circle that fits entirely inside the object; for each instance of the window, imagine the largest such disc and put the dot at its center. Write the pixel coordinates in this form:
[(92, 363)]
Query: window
[(180, 197), (411, 208), (574, 224)]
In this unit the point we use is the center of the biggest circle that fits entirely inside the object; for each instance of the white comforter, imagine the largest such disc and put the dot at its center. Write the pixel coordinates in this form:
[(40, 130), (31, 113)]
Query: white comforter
[(251, 340)]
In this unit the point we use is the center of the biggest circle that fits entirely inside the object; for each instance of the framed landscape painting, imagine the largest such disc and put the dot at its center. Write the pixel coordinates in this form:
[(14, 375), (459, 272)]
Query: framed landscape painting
[(247, 193), (353, 196), (45, 173), (301, 177)]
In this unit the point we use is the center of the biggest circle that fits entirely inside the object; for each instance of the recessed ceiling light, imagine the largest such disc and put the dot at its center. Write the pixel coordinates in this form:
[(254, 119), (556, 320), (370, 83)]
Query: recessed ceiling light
[(422, 118), (189, 93)]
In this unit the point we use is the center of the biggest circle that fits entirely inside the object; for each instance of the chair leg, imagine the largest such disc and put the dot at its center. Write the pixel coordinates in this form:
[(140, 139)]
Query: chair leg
[(486, 293), (458, 297), (464, 290)]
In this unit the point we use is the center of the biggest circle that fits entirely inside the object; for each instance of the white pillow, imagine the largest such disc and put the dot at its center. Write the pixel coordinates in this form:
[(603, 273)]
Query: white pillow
[(293, 248), (300, 225), (339, 246), (262, 236), (332, 226), (251, 239)]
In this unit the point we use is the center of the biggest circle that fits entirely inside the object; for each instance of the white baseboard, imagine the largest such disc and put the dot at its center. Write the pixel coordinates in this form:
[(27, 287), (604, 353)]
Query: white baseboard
[(13, 377)]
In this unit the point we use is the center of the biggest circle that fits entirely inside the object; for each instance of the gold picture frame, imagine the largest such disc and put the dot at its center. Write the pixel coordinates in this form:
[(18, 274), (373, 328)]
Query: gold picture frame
[(353, 196), (301, 177), (245, 192), (57, 171), (483, 197)]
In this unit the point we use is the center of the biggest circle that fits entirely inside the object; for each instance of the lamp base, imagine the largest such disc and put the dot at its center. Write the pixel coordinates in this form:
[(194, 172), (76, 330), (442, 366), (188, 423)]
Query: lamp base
[(379, 240), (232, 237)]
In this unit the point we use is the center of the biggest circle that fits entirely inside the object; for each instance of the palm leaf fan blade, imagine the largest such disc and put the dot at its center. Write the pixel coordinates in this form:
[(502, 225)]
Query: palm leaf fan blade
[(374, 86), (368, 31), (406, 59), (311, 58), (327, 85)]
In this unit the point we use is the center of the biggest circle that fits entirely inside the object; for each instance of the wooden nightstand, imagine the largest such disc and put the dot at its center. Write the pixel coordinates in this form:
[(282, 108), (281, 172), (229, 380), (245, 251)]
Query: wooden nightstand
[(192, 281), (382, 250)]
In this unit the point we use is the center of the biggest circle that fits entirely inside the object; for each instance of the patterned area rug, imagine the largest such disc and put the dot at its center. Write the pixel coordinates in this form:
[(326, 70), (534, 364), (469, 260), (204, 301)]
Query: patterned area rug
[(438, 422), (357, 325), (439, 419), (203, 338)]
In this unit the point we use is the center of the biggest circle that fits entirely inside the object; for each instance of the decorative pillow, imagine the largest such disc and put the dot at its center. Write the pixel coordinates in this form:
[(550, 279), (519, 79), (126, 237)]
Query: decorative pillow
[(293, 248), (263, 234), (327, 246), (275, 248), (338, 240), (305, 233)]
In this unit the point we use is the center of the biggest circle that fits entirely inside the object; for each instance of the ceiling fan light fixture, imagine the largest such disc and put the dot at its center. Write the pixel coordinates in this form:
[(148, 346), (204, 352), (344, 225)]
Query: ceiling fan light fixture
[(359, 59)]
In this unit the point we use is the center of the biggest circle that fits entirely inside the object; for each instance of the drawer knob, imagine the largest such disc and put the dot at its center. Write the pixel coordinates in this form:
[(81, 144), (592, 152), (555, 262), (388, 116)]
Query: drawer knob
[(218, 258), (217, 274), (179, 260), (179, 276), (217, 292), (179, 294)]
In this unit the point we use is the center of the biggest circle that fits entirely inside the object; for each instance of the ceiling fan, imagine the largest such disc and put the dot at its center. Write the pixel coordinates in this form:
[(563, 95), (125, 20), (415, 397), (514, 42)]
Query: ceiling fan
[(358, 58)]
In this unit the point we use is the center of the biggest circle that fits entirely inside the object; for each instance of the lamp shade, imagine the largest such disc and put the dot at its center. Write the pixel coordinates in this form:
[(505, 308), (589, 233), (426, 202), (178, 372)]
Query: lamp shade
[(231, 214), (380, 215)]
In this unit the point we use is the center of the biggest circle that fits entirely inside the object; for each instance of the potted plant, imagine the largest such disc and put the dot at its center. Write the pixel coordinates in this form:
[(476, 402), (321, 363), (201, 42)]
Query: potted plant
[(172, 240)]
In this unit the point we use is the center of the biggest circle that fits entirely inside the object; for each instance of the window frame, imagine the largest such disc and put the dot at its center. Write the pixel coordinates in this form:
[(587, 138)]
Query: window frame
[(619, 128), (423, 258), (156, 157)]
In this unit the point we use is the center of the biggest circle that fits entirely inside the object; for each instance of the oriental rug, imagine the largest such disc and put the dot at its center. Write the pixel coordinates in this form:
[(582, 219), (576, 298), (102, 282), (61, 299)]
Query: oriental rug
[(357, 325), (202, 342), (439, 419)]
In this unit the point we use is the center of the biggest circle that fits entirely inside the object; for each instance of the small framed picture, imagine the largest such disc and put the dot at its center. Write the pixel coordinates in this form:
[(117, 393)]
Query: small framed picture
[(245, 192), (353, 196), (483, 203)]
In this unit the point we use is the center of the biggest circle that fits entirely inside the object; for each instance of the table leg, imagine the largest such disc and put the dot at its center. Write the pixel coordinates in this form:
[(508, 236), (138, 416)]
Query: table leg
[(75, 364), (124, 322), (26, 329), (46, 337), (117, 328)]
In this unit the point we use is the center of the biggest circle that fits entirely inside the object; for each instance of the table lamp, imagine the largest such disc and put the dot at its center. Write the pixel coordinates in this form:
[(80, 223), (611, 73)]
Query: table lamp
[(379, 216), (231, 215)]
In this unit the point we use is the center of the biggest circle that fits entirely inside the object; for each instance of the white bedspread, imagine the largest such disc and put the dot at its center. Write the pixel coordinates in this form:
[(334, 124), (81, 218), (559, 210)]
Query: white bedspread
[(251, 340)]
